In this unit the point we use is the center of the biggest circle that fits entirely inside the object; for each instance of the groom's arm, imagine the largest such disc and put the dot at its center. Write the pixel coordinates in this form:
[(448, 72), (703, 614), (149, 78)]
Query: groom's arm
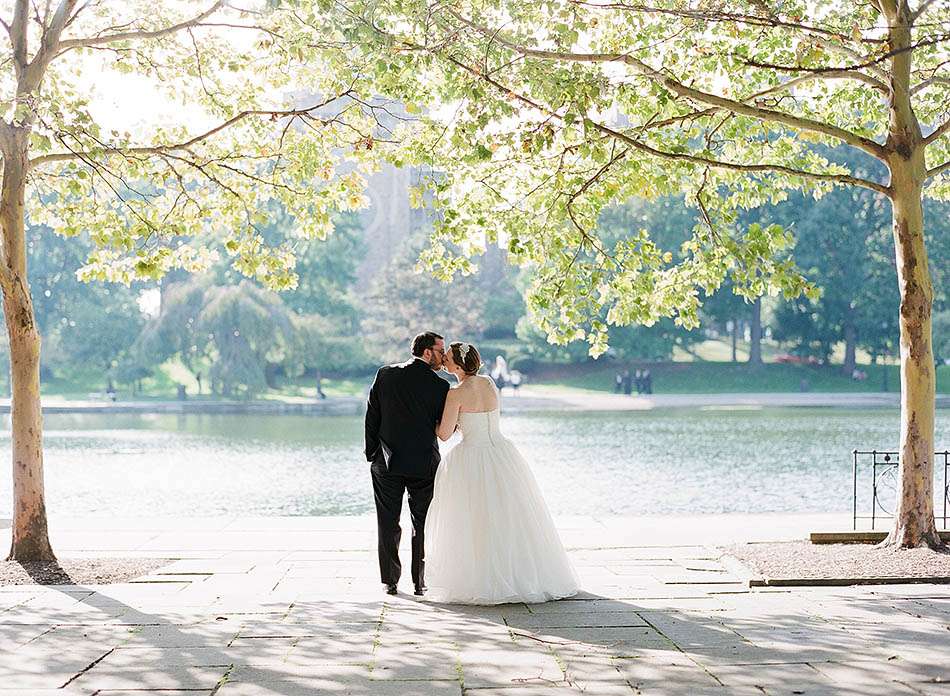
[(373, 418)]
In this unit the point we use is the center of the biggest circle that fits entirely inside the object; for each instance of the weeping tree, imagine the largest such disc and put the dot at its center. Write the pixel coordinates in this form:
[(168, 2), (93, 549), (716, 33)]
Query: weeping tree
[(161, 130), (541, 114), (231, 331)]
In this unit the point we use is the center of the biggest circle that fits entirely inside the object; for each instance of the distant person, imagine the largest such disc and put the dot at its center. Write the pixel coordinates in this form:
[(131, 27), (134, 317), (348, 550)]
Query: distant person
[(638, 381), (618, 383), (515, 378), (627, 383), (499, 372), (110, 391), (320, 393), (646, 380)]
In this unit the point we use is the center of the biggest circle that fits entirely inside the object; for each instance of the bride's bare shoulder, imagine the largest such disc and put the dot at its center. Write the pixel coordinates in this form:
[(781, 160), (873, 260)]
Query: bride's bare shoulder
[(488, 382)]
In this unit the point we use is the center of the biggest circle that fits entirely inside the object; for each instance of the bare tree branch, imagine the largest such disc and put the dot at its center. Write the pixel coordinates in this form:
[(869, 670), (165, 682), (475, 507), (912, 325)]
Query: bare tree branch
[(941, 130), (682, 157), (828, 75), (866, 62), (924, 6), (162, 149), (939, 169), (747, 168), (757, 112), (721, 16), (139, 35), (18, 36), (34, 72), (935, 80)]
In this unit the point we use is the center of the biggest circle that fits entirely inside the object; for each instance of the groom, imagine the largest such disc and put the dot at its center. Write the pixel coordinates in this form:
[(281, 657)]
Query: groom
[(404, 406)]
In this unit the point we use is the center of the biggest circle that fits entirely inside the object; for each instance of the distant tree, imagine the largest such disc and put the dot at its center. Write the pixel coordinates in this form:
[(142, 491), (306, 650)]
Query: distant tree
[(99, 335), (726, 309), (652, 343), (403, 302), (629, 343), (838, 247), (942, 335), (235, 330), (844, 244), (319, 348), (670, 222), (247, 327), (504, 306), (533, 345), (326, 272), (84, 324), (502, 286), (176, 330)]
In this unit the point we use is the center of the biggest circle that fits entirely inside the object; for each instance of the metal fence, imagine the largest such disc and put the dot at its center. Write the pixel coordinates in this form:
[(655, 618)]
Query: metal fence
[(882, 469)]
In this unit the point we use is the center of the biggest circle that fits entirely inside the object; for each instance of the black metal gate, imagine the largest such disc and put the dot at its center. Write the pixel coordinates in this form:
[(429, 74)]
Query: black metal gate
[(882, 468)]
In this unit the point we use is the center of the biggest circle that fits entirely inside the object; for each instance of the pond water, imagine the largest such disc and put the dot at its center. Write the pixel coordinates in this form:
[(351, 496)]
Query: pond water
[(624, 463)]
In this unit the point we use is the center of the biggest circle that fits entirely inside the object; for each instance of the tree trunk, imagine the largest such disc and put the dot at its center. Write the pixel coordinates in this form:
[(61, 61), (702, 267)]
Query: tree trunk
[(735, 339), (755, 333), (850, 343), (914, 517), (30, 534)]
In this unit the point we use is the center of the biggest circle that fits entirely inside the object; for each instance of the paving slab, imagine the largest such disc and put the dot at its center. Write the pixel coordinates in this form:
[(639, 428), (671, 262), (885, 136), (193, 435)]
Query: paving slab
[(153, 692), (329, 649), (281, 607), (619, 689), (4, 689), (154, 676), (573, 619), (427, 661), (348, 686)]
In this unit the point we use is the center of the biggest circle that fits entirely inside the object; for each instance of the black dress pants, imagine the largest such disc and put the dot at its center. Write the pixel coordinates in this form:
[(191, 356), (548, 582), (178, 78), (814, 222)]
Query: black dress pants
[(388, 490)]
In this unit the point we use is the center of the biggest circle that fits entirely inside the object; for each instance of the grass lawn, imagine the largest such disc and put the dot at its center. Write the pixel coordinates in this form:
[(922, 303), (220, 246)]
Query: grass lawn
[(346, 386), (81, 385), (723, 377), (706, 369)]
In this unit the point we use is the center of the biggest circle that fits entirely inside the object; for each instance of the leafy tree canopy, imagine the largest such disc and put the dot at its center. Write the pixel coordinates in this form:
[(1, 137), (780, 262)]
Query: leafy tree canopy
[(545, 113), (193, 128)]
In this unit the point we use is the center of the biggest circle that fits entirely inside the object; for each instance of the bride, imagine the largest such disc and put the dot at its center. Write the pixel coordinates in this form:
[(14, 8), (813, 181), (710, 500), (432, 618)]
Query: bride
[(490, 535)]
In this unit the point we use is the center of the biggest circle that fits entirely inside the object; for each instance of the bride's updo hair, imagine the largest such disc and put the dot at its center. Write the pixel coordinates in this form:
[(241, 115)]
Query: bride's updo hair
[(471, 363)]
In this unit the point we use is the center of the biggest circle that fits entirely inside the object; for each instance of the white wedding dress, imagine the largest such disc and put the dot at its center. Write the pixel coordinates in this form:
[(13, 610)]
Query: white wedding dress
[(489, 536)]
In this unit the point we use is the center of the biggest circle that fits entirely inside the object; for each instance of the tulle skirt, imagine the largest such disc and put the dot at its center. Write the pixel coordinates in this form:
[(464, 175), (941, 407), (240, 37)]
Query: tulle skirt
[(489, 536)]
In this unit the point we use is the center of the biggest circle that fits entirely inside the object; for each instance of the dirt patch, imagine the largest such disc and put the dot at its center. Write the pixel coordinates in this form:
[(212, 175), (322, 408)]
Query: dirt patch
[(78, 571), (804, 563)]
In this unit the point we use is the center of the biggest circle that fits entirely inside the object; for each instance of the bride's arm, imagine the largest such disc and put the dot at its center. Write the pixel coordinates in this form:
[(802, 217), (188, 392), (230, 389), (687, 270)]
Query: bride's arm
[(450, 416)]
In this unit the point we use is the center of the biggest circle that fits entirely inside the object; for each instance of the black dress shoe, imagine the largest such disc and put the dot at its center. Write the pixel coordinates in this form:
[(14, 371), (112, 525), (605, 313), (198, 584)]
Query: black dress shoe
[(391, 589), (420, 590)]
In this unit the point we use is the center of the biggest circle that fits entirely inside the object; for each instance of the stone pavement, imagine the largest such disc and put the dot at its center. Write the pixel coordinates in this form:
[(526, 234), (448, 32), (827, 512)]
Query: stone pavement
[(292, 606)]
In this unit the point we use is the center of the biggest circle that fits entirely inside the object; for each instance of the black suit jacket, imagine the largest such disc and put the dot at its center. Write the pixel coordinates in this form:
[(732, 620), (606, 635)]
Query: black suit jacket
[(404, 407)]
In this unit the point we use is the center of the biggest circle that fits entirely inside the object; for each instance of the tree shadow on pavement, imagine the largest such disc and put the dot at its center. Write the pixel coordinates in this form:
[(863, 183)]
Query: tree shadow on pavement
[(287, 631)]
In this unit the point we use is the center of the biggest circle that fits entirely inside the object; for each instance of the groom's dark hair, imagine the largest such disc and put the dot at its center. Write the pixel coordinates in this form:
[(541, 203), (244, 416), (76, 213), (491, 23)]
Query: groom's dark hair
[(424, 341)]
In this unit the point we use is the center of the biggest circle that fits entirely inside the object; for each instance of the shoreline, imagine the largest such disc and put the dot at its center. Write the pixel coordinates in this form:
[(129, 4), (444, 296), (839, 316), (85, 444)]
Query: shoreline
[(579, 531), (528, 400)]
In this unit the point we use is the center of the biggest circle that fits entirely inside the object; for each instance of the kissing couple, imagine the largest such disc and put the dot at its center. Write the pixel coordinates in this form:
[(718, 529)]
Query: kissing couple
[(491, 538)]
